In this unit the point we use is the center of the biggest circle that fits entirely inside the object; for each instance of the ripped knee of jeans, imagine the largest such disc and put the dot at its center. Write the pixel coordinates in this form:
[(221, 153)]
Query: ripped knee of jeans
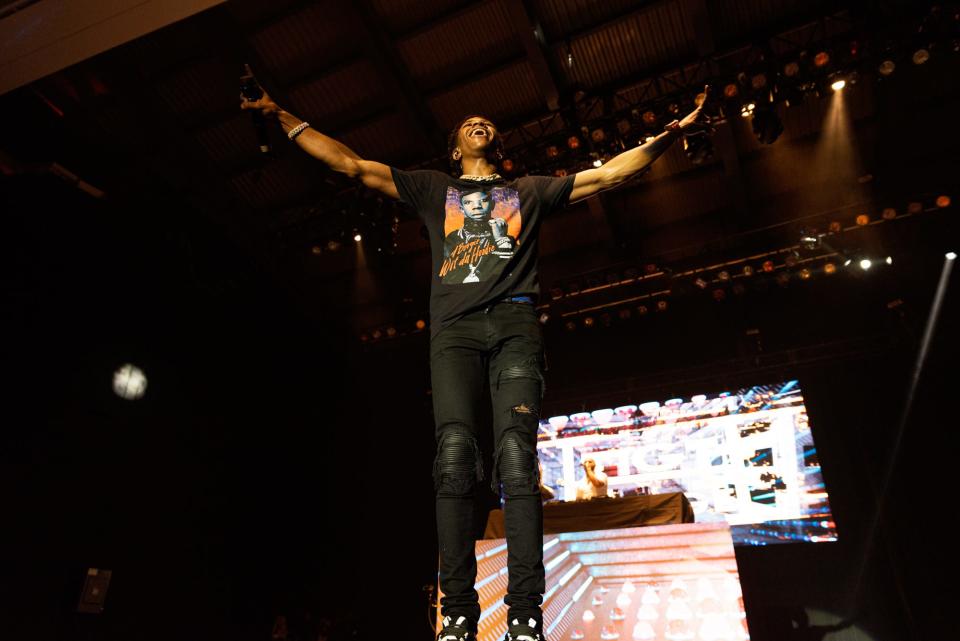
[(531, 369), (516, 467), (458, 465)]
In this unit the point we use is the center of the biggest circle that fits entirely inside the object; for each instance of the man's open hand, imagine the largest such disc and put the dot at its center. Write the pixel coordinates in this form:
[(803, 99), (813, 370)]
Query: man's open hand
[(696, 120)]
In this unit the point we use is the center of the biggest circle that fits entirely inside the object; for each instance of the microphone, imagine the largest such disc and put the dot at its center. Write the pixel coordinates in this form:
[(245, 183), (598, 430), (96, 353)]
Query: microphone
[(251, 90)]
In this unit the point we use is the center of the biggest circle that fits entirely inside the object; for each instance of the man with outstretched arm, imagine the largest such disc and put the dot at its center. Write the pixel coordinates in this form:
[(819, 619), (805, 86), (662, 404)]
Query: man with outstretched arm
[(483, 233)]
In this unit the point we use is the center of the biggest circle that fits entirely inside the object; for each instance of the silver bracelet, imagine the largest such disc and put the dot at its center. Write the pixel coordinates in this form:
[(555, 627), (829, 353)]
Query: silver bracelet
[(296, 131)]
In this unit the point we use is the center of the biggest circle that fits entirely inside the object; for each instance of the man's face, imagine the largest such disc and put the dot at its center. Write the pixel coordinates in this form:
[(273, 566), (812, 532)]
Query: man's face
[(477, 205), (476, 133)]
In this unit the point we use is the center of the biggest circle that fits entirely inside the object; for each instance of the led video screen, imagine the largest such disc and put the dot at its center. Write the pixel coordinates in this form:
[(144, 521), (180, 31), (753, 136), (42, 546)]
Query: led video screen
[(745, 457)]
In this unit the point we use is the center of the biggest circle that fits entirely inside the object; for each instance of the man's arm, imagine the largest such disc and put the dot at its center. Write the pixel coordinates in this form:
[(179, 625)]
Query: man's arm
[(332, 153), (621, 167), (628, 164)]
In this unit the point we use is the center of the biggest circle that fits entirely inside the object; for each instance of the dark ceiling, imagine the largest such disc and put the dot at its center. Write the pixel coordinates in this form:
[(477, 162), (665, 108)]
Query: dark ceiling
[(158, 118)]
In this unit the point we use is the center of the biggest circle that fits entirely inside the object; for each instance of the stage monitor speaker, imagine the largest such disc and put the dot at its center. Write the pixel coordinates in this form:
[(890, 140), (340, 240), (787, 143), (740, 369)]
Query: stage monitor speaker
[(94, 592)]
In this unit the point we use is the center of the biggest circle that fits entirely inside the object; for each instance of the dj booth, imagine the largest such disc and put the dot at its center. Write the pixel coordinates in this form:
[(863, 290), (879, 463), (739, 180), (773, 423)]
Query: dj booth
[(628, 569)]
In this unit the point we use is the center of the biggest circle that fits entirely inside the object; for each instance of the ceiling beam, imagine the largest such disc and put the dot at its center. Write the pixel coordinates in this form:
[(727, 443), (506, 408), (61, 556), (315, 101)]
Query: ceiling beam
[(530, 32)]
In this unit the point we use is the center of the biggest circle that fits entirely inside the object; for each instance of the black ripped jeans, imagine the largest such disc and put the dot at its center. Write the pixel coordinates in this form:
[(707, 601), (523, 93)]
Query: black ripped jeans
[(501, 344)]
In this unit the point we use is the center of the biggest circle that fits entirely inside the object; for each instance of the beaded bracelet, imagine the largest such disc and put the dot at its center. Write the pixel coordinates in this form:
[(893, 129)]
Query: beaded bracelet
[(296, 131)]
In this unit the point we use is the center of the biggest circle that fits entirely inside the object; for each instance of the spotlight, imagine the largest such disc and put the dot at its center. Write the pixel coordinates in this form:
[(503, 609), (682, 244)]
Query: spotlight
[(316, 250), (829, 268), (889, 260), (649, 118), (914, 207), (642, 310), (838, 84), (552, 151), (863, 219), (719, 295), (357, 237), (129, 382), (391, 331), (759, 81), (747, 110), (420, 324), (573, 142), (723, 276), (804, 274), (920, 56), (747, 270), (623, 126), (835, 227), (662, 305), (702, 284), (889, 213), (791, 259), (951, 255), (943, 201), (588, 321), (791, 69), (865, 264), (376, 334), (624, 314), (768, 266), (731, 91), (821, 60), (847, 262), (597, 135), (570, 326), (887, 67), (333, 245), (544, 317), (507, 165), (598, 162), (767, 126)]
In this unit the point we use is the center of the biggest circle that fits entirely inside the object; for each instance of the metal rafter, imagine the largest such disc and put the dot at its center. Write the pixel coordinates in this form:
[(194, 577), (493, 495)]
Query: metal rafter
[(530, 32)]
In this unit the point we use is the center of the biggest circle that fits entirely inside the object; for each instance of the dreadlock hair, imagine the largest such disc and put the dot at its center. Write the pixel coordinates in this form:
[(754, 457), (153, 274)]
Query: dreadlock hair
[(456, 166)]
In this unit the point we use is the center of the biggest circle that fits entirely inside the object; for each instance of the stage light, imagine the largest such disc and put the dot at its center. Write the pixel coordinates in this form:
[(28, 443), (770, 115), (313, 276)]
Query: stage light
[(674, 108), (556, 293), (333, 245), (649, 118), (573, 142), (552, 151), (570, 326), (420, 324), (376, 334), (889, 260), (951, 255), (598, 162), (650, 269), (642, 309), (364, 338), (835, 227), (865, 264), (759, 81), (662, 305), (783, 279), (649, 139), (357, 237), (747, 270), (316, 250), (889, 213), (623, 126), (821, 60), (588, 321), (837, 85), (719, 295), (700, 282), (863, 219), (914, 207), (391, 331), (731, 90), (847, 262), (747, 110), (767, 126), (829, 268), (768, 266), (887, 67), (129, 382), (624, 314), (943, 201), (738, 289), (920, 56), (723, 276), (804, 274), (507, 165), (791, 259), (544, 317), (597, 135)]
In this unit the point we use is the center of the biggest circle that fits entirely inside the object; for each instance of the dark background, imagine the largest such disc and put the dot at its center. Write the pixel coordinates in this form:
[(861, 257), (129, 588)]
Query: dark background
[(279, 465)]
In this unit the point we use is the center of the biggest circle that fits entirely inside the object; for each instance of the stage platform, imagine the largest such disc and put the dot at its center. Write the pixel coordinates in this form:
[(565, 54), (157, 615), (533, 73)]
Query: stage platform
[(673, 582)]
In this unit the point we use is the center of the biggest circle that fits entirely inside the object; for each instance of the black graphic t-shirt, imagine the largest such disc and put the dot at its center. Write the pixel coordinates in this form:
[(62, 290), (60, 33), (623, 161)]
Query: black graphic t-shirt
[(483, 236)]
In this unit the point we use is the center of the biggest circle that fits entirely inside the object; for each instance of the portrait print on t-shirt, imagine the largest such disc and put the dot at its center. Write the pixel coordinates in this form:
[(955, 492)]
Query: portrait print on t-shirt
[(481, 229)]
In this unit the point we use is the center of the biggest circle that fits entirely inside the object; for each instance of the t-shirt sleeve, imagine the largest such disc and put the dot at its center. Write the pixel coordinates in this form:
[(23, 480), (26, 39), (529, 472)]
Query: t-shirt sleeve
[(414, 187), (554, 192)]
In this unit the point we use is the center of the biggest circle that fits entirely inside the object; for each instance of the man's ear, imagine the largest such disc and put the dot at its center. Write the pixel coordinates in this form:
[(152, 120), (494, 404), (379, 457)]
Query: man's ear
[(456, 153)]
